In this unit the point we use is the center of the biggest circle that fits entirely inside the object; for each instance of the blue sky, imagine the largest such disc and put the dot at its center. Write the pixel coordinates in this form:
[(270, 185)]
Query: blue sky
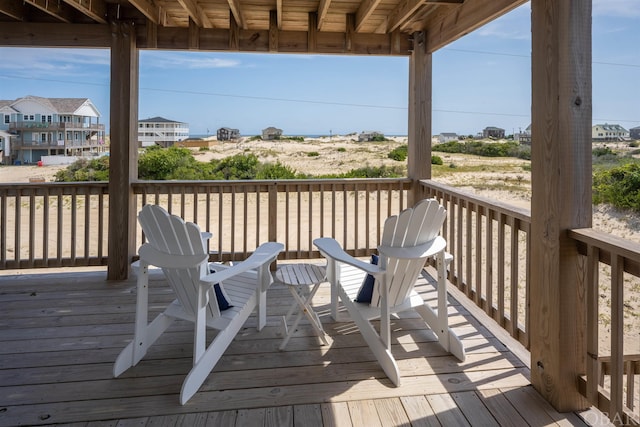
[(480, 80)]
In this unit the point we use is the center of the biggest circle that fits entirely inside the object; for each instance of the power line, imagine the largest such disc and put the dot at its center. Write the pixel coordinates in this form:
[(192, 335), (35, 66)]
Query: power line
[(516, 55), (265, 98)]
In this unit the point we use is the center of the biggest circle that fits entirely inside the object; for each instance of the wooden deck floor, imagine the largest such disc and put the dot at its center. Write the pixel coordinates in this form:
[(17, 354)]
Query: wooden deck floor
[(61, 332)]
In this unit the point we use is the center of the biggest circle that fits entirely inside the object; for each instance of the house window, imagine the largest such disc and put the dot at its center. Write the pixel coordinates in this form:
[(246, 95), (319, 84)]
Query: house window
[(28, 117)]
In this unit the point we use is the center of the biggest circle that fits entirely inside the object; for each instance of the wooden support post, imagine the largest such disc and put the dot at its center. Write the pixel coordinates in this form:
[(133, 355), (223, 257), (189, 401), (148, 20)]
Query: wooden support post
[(419, 130), (561, 195), (123, 161)]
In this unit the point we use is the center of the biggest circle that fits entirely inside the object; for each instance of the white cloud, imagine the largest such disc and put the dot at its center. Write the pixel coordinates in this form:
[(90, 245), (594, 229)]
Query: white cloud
[(62, 62), (193, 60)]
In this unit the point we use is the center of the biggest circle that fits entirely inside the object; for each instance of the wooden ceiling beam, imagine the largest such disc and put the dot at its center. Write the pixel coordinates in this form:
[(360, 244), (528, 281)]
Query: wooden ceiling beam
[(21, 34), (212, 39), (12, 9), (402, 13), (56, 9), (148, 9), (94, 9), (323, 8), (196, 13), (366, 9), (278, 15), (464, 19), (238, 14)]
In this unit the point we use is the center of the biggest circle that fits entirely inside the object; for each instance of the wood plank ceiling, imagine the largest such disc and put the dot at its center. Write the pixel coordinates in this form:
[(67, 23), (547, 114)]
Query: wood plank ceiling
[(379, 27)]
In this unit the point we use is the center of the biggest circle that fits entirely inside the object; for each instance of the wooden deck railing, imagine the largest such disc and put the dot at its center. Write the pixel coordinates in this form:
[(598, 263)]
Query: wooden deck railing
[(612, 381), (53, 225), (490, 244), (65, 224), (242, 214)]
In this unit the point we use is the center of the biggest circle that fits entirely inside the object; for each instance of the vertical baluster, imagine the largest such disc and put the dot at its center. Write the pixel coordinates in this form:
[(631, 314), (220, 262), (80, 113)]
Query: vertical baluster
[(87, 226), (60, 228), (489, 263), (617, 335), (479, 251), (501, 261), (32, 227), (245, 215), (514, 282), (467, 251), (100, 225), (74, 224)]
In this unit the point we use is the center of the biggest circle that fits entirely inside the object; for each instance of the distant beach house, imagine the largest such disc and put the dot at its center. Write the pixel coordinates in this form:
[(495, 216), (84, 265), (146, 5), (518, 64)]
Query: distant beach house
[(523, 137), (40, 127), (227, 134), (5, 147), (161, 131), (634, 133), (493, 132), (447, 136), (370, 136), (271, 133), (609, 132)]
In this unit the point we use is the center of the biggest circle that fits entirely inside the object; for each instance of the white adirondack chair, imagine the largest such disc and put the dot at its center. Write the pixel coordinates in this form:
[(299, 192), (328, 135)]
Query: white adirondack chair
[(177, 247), (408, 240)]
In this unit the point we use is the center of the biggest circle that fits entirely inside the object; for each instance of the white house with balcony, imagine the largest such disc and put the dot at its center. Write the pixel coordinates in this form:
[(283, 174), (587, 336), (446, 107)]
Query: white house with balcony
[(609, 132), (40, 127), (161, 131)]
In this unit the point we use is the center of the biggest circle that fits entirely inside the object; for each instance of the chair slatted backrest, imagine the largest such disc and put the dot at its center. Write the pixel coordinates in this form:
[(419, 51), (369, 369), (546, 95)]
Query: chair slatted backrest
[(411, 228), (172, 235)]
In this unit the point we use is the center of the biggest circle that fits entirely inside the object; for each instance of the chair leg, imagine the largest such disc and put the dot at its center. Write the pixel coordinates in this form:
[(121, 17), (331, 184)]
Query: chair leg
[(137, 348), (374, 341)]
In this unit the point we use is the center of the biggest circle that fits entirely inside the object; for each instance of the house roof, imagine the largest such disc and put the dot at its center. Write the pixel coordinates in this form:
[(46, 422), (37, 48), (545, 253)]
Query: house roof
[(158, 119), (611, 127), (56, 105)]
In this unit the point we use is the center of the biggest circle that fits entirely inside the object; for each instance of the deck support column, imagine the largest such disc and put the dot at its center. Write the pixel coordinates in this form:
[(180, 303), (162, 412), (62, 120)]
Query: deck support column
[(419, 128), (561, 195), (123, 162)]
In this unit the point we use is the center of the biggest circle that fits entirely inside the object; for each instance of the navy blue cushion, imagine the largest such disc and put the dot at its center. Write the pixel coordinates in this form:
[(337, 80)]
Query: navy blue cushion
[(366, 289), (221, 297)]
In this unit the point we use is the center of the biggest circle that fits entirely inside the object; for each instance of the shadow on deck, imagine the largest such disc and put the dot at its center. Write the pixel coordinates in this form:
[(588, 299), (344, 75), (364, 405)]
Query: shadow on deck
[(61, 333)]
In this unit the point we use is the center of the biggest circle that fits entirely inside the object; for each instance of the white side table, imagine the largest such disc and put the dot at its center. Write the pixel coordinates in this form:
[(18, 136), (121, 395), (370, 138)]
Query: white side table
[(298, 278)]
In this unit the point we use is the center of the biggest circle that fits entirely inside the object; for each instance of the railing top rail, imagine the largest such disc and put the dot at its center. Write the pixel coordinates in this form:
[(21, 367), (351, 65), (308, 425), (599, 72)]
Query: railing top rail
[(492, 204), (608, 242)]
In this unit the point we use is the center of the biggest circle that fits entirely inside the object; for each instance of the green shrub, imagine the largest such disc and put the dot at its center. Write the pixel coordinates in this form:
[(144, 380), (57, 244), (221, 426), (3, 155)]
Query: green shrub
[(618, 186), (602, 151), (159, 163), (275, 171), (239, 166), (399, 153), (436, 160), (85, 170), (341, 149), (313, 154)]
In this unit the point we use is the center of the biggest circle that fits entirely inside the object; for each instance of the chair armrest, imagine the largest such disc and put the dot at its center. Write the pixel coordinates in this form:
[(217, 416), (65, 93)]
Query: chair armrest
[(264, 254), (332, 249), (430, 248)]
